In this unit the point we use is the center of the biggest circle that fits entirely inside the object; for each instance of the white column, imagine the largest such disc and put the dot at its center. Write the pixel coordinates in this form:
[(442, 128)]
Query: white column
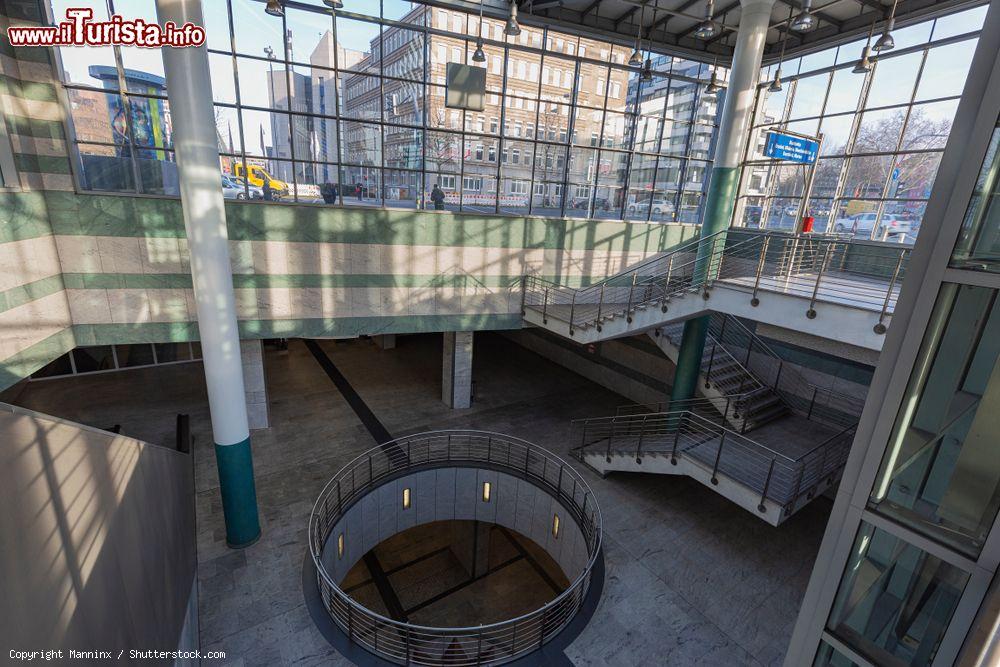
[(737, 111), (456, 371), (189, 90), (252, 356)]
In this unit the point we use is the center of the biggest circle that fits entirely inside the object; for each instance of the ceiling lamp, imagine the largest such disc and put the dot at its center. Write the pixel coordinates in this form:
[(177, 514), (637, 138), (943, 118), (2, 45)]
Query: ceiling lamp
[(713, 84), (775, 86), (864, 65), (479, 56), (647, 71), (886, 42), (334, 4), (274, 8), (513, 28), (635, 60), (708, 28), (805, 21)]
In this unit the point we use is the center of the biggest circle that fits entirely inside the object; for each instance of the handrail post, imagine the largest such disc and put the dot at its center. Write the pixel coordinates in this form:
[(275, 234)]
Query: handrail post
[(666, 284), (767, 485), (718, 455), (545, 307), (812, 402), (811, 313), (754, 301), (638, 447), (600, 306), (880, 328), (677, 435), (628, 308), (711, 361), (524, 293), (572, 313), (777, 377)]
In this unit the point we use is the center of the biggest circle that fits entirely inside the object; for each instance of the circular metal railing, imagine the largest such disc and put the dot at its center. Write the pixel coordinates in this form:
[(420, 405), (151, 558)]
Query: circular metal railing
[(496, 643)]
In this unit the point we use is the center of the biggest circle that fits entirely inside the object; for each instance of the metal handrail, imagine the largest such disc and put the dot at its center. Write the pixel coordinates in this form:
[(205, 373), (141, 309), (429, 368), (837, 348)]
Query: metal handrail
[(805, 264), (495, 643)]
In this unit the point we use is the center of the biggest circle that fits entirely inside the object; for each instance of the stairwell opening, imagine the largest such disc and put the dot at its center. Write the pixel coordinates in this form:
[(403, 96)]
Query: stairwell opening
[(408, 541)]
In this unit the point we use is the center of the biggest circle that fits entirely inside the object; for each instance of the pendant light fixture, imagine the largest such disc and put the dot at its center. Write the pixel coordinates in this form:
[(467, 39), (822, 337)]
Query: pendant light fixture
[(775, 86), (865, 65), (806, 20), (479, 56), (513, 28), (647, 71), (713, 83), (334, 4), (274, 8), (708, 28), (886, 42), (636, 58)]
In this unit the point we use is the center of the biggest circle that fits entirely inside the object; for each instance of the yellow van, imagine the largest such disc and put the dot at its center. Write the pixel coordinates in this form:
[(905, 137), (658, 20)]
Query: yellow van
[(258, 175)]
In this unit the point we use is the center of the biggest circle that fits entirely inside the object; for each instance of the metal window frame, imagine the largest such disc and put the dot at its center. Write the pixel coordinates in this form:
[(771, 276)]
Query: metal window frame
[(426, 29)]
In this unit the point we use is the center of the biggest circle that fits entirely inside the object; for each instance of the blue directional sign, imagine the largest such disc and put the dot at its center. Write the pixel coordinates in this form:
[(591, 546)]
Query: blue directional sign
[(791, 148)]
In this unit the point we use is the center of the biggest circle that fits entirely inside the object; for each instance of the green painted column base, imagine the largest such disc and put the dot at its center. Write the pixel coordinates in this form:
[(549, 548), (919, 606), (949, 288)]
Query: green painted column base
[(689, 359), (719, 204), (239, 493)]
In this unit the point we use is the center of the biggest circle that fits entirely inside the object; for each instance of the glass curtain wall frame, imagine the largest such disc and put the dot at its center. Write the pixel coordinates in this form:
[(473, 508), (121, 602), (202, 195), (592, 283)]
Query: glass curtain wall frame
[(887, 193), (289, 71)]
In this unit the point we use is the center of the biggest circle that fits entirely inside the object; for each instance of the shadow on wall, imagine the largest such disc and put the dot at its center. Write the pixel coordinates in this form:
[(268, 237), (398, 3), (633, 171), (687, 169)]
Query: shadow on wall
[(97, 538)]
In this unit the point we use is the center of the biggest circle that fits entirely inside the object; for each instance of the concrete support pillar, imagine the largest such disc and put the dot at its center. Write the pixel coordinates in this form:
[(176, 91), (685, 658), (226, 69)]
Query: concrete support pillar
[(456, 372), (386, 341), (734, 129), (252, 356), (189, 90)]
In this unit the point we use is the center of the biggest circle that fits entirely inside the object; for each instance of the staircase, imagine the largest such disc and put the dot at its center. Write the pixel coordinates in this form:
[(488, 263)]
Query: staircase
[(759, 479), (856, 284)]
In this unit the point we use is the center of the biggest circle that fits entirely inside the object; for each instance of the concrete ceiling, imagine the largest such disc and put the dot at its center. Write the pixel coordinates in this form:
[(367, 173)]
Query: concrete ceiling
[(670, 24)]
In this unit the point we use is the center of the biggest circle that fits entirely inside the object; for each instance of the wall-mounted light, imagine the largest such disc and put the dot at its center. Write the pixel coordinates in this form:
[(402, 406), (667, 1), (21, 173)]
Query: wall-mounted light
[(406, 498), (513, 28), (340, 545), (334, 4), (555, 526), (274, 8), (886, 42), (806, 20), (486, 492)]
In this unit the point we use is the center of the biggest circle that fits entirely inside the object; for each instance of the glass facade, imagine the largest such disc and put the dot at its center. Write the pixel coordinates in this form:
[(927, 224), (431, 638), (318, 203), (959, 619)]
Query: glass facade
[(940, 475), (883, 132), (895, 602), (978, 246), (348, 109)]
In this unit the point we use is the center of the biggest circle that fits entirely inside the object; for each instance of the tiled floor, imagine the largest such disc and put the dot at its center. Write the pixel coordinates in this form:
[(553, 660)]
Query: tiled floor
[(691, 579)]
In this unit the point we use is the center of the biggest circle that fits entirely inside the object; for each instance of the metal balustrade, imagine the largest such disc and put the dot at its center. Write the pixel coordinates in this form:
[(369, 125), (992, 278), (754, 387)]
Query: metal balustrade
[(821, 269), (722, 451), (496, 643)]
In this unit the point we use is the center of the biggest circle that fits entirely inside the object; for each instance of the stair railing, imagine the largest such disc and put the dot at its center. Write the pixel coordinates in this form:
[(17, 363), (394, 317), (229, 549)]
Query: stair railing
[(815, 403)]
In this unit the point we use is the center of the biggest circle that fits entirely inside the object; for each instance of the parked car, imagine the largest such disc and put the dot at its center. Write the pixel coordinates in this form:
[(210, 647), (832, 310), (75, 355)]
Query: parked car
[(862, 224), (255, 192), (231, 189), (600, 203), (659, 206)]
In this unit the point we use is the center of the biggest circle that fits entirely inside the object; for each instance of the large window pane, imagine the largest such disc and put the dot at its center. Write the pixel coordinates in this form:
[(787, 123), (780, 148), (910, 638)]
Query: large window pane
[(893, 80), (978, 244), (945, 70), (941, 474), (895, 601)]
